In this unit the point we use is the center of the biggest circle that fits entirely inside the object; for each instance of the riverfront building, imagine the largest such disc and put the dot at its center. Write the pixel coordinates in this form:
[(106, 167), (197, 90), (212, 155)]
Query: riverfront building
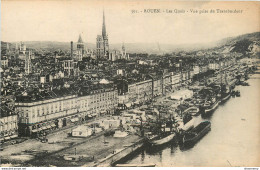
[(39, 117), (8, 124), (140, 92)]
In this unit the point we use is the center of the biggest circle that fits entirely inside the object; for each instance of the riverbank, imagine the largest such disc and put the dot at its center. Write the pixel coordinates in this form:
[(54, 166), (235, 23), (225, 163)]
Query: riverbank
[(233, 140)]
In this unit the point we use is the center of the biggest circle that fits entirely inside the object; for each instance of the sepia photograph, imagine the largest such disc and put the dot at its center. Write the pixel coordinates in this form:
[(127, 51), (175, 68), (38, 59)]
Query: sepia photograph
[(130, 83)]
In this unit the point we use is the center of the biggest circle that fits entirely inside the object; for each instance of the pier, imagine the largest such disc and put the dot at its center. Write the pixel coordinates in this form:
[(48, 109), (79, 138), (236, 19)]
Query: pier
[(120, 154)]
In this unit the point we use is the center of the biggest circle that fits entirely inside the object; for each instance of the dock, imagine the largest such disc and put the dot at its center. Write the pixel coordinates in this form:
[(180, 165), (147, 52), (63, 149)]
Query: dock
[(120, 154)]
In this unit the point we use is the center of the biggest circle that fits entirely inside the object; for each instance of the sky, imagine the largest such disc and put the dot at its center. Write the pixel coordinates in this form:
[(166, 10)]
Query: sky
[(64, 20)]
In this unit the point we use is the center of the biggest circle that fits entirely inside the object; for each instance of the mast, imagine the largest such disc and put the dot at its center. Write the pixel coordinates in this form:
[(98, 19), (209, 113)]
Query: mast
[(220, 74), (171, 122), (159, 124)]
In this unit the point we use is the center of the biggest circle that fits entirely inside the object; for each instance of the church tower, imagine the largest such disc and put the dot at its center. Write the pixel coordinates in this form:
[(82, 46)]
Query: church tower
[(22, 48), (102, 42), (80, 48), (7, 49), (28, 64)]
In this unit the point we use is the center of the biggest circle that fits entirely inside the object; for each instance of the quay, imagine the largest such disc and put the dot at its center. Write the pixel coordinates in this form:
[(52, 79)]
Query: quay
[(121, 154), (96, 151)]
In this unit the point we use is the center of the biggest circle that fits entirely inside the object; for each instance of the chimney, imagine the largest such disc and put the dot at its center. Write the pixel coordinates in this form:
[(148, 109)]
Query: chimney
[(71, 49)]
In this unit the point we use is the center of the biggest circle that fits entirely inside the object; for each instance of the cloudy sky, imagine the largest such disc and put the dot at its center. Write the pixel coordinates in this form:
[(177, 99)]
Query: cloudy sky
[(64, 20)]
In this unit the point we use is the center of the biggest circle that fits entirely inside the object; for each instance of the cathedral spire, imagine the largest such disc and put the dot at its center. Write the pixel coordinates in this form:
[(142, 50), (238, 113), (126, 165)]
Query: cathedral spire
[(80, 39), (104, 34)]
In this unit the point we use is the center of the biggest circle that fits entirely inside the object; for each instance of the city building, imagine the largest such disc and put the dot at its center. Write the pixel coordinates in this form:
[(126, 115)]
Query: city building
[(166, 82), (90, 53), (4, 62), (8, 124), (70, 68), (99, 101), (140, 92), (176, 80), (157, 86), (213, 66), (37, 117), (117, 55)]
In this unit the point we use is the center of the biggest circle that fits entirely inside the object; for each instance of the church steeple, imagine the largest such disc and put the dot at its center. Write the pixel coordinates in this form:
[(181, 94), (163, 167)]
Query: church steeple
[(102, 41), (104, 33), (80, 48), (80, 39)]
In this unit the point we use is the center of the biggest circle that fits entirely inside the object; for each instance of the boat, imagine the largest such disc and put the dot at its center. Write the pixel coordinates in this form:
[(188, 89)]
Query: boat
[(156, 140), (163, 133), (225, 89), (237, 93), (225, 93), (244, 83), (192, 136), (194, 111), (225, 96), (120, 134), (233, 93), (210, 106)]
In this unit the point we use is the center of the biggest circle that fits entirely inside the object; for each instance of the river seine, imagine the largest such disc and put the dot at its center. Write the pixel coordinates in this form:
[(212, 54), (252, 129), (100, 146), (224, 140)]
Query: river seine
[(234, 139)]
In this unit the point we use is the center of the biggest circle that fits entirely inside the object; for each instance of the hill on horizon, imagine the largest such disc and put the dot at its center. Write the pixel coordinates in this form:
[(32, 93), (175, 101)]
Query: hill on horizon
[(237, 44)]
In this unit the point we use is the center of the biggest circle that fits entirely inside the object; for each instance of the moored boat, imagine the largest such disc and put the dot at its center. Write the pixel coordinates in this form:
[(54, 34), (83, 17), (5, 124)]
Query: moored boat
[(210, 106), (159, 139), (194, 111), (225, 96), (237, 93), (225, 93), (192, 136), (244, 83), (162, 132)]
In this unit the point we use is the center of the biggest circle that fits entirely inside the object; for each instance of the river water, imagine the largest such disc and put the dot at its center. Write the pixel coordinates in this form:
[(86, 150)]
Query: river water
[(234, 139)]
